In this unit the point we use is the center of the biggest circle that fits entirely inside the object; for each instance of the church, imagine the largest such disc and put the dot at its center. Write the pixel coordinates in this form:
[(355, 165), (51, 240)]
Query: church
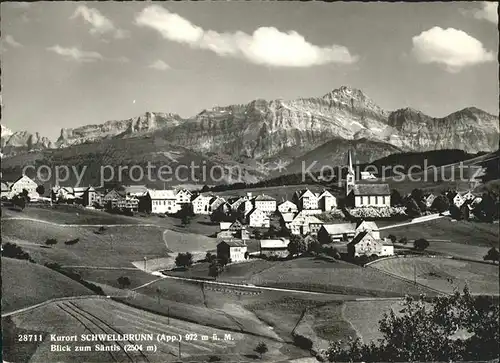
[(367, 194)]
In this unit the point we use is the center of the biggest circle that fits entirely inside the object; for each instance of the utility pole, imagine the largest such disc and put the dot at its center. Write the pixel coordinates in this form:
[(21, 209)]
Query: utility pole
[(415, 274), (145, 263), (179, 349)]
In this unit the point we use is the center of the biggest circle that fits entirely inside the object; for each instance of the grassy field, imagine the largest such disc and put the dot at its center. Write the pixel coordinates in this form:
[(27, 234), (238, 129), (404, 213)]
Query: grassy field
[(462, 232), (444, 274), (25, 284), (118, 246), (321, 276), (105, 316)]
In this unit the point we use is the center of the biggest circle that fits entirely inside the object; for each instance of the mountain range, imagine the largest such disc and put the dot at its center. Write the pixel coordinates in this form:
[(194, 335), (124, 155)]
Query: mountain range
[(288, 131)]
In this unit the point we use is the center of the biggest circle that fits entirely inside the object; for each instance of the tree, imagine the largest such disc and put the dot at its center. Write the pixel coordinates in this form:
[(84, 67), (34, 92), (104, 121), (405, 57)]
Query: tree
[(440, 204), (51, 241), (396, 199), (417, 194), (261, 348), (40, 189), (314, 246), (215, 269), (403, 241), (424, 331), (210, 257), (455, 212), (185, 213), (492, 255), (297, 245), (184, 260), (123, 281), (412, 209), (420, 244), (19, 201), (393, 238)]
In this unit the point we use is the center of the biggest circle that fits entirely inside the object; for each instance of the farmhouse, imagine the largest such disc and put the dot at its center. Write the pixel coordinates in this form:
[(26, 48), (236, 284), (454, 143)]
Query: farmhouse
[(258, 218), (5, 193), (110, 200), (183, 196), (370, 227), (232, 250), (365, 244), (305, 199), (201, 204), (265, 203), (274, 247), (456, 198), (287, 207), (338, 232), (303, 224), (214, 203), (162, 201), (327, 201), (24, 183)]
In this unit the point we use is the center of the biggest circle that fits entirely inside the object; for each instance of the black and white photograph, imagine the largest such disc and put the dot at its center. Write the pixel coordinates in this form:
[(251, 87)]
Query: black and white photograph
[(249, 181)]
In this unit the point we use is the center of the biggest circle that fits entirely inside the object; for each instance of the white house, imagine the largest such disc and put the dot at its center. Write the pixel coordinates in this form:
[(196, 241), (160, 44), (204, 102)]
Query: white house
[(305, 199), (215, 202), (370, 227), (288, 207), (24, 183), (336, 232), (232, 250), (468, 196), (274, 247), (326, 201), (429, 200), (265, 203), (163, 201), (201, 204), (366, 244), (183, 196), (303, 224), (258, 218), (456, 199)]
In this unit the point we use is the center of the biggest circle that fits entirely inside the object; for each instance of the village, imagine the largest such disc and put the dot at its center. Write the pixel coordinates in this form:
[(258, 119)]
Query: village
[(344, 226)]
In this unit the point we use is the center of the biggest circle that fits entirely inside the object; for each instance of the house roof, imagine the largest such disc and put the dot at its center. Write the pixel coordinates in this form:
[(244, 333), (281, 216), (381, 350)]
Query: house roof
[(367, 225), (236, 225), (371, 189), (225, 225), (339, 228), (264, 197), (25, 178), (136, 189), (274, 243), (326, 193), (233, 243), (359, 237), (288, 202), (161, 194), (288, 217)]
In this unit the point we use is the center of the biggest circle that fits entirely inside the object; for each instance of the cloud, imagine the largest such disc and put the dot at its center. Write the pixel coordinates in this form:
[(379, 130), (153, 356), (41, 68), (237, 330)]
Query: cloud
[(266, 46), (76, 54), (99, 23), (454, 49), (9, 39), (159, 65), (488, 11)]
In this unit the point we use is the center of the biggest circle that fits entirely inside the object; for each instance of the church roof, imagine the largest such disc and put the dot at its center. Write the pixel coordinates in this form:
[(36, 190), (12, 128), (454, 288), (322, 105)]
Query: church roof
[(371, 189)]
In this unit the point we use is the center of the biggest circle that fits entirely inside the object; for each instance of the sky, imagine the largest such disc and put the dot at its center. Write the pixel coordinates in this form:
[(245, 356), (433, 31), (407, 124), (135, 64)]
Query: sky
[(70, 64)]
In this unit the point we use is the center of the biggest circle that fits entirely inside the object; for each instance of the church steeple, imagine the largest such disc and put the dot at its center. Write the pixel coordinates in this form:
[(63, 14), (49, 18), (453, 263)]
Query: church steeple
[(350, 177)]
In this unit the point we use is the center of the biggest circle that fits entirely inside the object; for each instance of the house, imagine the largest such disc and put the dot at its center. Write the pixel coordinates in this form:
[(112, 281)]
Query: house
[(365, 195), (365, 244), (274, 247), (303, 224), (223, 208), (387, 247), (338, 232), (456, 198), (305, 199), (24, 183), (468, 196), (232, 250), (110, 199), (429, 199), (233, 230), (370, 227), (201, 204), (5, 193), (235, 202), (287, 207), (366, 175), (265, 203), (326, 201), (258, 218), (245, 207), (128, 203), (183, 196), (214, 203), (162, 201), (88, 196)]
